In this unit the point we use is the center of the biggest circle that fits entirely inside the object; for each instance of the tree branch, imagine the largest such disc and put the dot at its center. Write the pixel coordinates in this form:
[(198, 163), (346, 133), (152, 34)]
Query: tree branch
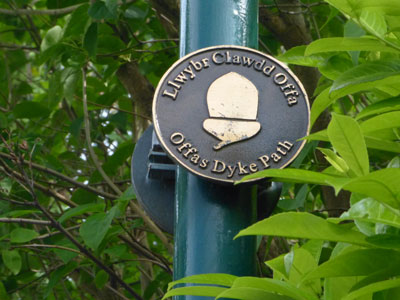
[(43, 188), (67, 234), (47, 235), (89, 140), (148, 118), (168, 14), (86, 252), (291, 30), (46, 246), (145, 252), (135, 207), (16, 47), (64, 177), (138, 87), (39, 12), (24, 221)]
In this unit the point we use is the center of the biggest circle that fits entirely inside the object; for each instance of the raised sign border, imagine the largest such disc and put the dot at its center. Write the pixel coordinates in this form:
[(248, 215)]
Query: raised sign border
[(170, 69)]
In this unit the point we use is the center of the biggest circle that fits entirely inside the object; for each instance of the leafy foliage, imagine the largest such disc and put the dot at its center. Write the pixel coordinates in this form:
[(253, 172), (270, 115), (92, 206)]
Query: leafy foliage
[(77, 79), (354, 255), (70, 225)]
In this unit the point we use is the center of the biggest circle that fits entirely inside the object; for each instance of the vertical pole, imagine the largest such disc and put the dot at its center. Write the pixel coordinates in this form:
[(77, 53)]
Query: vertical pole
[(208, 215)]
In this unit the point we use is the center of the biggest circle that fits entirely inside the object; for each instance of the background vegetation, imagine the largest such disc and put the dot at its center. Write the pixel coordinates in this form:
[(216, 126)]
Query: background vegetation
[(77, 79)]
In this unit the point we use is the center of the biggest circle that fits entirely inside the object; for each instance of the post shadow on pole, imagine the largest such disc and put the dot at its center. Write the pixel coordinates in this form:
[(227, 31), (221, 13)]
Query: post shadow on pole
[(209, 215)]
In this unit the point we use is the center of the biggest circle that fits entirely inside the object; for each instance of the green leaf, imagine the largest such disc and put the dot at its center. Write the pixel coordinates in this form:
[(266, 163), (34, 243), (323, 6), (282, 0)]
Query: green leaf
[(383, 121), (81, 196), (101, 279), (347, 44), (371, 142), (206, 291), (54, 92), (298, 176), (362, 76), (293, 274), (346, 137), (12, 260), (127, 195), (356, 263), (103, 11), (381, 144), (108, 44), (335, 66), (384, 274), (135, 12), (353, 30), (382, 185), (248, 293), (3, 292), (77, 22), (338, 287), (320, 103), (297, 202), (75, 127), (370, 210), (374, 22), (388, 241), (389, 7), (277, 265), (394, 163), (314, 247), (3, 121), (380, 107), (96, 226), (123, 200), (65, 255), (332, 14), (112, 6), (337, 162), (213, 278), (372, 288), (275, 286), (59, 274), (81, 209), (69, 78), (20, 213), (52, 37), (296, 56), (354, 7), (117, 251), (343, 5), (304, 225), (303, 263), (120, 156), (30, 110), (90, 39), (22, 235)]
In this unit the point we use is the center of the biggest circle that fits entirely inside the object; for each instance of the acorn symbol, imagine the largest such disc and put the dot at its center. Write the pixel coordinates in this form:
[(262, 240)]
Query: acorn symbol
[(232, 102)]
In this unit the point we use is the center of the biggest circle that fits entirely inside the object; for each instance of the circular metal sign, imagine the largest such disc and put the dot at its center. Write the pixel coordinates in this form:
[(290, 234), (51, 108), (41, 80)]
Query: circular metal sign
[(228, 111)]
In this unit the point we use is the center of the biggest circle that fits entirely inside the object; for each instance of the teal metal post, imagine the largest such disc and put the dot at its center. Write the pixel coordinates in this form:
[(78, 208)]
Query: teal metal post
[(207, 215)]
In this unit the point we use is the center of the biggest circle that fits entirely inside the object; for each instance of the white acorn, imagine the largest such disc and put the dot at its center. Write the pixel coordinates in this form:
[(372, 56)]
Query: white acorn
[(232, 102), (232, 96)]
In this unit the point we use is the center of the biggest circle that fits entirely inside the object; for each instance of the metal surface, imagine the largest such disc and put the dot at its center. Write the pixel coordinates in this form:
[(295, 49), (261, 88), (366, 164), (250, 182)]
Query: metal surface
[(208, 216), (153, 179), (268, 195), (227, 111)]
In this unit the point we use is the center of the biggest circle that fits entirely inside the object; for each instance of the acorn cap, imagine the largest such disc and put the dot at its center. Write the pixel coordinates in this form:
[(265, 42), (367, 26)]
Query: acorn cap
[(232, 96)]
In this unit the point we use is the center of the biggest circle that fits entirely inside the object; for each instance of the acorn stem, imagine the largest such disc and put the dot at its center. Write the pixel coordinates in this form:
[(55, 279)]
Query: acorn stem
[(221, 144)]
